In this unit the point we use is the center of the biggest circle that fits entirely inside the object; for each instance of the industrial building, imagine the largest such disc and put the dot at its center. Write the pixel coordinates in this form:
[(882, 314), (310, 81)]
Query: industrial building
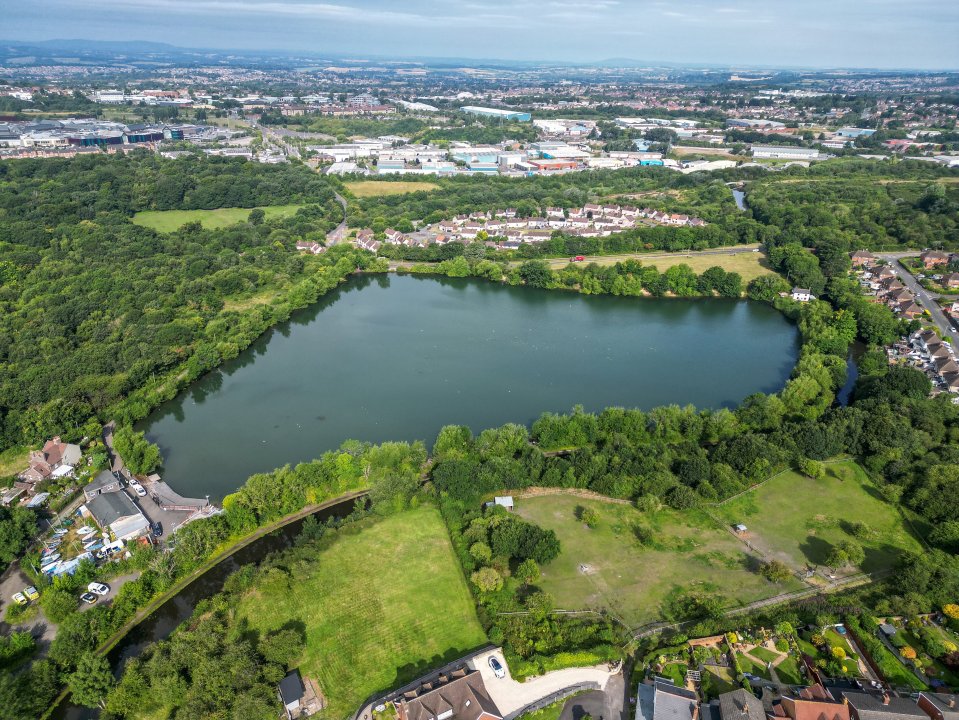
[(754, 124), (514, 115), (785, 152)]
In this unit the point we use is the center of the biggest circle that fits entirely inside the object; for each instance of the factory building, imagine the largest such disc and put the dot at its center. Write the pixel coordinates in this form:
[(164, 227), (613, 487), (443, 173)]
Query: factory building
[(513, 115)]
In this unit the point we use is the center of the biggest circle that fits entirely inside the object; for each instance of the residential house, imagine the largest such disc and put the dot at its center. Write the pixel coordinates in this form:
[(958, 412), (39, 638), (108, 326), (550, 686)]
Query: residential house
[(310, 246), (55, 455), (116, 512), (932, 258), (863, 258), (104, 482), (885, 272), (741, 705), (460, 694), (951, 280), (909, 309), (394, 237), (938, 706), (814, 703), (661, 700), (869, 706), (802, 294)]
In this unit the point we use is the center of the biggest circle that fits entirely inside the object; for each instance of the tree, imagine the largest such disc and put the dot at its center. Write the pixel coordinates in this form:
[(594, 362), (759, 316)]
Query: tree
[(528, 572), (283, 647), (908, 653), (811, 468), (951, 610), (481, 553), (588, 516), (837, 558), (487, 579), (837, 652), (256, 217), (536, 273), (775, 571), (92, 680), (139, 454)]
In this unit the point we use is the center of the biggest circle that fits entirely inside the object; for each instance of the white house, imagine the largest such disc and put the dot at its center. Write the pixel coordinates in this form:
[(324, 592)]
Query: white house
[(802, 295)]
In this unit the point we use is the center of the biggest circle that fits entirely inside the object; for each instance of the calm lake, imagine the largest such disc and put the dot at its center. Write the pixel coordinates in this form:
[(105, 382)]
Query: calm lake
[(389, 357)]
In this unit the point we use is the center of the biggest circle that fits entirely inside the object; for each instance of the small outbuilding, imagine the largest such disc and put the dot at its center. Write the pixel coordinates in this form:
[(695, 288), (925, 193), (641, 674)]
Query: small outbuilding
[(740, 529), (505, 501), (291, 693)]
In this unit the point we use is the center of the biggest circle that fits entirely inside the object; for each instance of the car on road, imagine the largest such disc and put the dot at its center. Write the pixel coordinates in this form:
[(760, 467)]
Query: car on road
[(98, 588), (31, 593), (157, 529), (577, 258), (88, 597), (497, 668), (20, 599)]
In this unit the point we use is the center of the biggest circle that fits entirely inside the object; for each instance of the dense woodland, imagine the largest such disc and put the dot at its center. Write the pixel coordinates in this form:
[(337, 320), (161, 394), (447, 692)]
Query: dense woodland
[(93, 307)]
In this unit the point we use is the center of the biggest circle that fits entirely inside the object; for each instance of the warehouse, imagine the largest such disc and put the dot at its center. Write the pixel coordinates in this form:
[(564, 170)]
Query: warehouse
[(513, 115), (785, 152)]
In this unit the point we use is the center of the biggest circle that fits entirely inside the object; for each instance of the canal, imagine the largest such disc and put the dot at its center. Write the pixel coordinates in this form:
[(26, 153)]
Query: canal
[(387, 357)]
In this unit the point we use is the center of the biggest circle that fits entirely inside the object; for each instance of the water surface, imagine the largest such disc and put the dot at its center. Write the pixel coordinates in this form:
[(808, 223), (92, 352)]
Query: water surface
[(397, 357)]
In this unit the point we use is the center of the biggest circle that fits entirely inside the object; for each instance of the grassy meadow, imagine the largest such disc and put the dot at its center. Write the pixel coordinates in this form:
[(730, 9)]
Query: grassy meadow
[(383, 603), (748, 264), (380, 188), (170, 220), (635, 581), (797, 520)]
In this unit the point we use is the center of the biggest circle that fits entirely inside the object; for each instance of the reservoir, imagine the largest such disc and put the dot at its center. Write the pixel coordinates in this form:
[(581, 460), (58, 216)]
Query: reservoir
[(396, 357)]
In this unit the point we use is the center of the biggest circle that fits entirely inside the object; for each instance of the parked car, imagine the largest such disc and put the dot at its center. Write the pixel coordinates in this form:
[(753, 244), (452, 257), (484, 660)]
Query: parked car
[(20, 599), (138, 489), (31, 592), (88, 598), (498, 670), (157, 529), (98, 588)]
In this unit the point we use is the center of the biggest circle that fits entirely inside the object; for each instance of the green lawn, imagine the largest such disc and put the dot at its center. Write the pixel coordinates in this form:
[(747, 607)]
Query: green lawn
[(751, 665), (764, 654), (384, 603), (633, 581), (798, 520), (720, 680), (789, 672), (170, 220)]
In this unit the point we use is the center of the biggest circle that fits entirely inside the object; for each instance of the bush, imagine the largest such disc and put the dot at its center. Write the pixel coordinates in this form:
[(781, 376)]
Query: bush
[(487, 579), (588, 516)]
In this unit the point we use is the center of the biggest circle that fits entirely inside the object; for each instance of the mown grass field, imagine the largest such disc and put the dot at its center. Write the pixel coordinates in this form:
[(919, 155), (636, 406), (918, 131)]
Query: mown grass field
[(797, 520), (170, 220), (385, 602), (748, 264), (635, 581), (379, 188)]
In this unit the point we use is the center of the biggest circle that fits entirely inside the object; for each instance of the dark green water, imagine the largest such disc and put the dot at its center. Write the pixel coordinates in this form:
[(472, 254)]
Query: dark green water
[(398, 357)]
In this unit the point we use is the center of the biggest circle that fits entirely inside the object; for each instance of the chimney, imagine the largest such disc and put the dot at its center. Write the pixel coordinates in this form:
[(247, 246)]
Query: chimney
[(885, 698)]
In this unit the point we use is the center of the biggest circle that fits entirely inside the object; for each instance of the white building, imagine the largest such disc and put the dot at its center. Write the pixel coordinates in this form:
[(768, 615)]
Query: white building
[(785, 152)]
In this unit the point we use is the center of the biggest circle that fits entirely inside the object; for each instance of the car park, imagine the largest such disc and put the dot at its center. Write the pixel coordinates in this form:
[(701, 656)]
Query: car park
[(31, 593), (88, 597), (497, 668), (98, 588), (20, 599)]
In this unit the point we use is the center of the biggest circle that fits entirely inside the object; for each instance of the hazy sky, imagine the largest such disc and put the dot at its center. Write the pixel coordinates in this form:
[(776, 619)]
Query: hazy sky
[(859, 33)]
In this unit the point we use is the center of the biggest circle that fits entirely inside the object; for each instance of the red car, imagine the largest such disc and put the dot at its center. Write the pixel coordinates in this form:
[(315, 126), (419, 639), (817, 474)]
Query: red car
[(578, 258)]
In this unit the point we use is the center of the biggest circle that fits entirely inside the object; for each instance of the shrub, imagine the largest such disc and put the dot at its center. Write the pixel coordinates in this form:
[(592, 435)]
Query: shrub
[(588, 516), (775, 571), (908, 653), (837, 652), (487, 579)]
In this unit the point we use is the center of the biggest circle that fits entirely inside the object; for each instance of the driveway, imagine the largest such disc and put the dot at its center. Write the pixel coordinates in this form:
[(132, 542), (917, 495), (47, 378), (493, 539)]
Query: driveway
[(114, 584), (13, 581), (511, 696)]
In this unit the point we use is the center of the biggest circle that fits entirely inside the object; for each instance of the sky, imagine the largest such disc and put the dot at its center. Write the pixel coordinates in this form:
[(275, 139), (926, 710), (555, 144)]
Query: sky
[(771, 33)]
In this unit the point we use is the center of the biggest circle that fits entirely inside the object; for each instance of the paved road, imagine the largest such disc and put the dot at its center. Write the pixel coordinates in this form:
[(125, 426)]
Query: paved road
[(511, 696), (13, 581), (340, 231), (928, 299)]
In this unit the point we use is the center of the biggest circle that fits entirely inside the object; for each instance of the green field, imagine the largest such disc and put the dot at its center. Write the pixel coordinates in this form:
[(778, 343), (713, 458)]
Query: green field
[(749, 265), (635, 581), (379, 188), (384, 603), (797, 520), (170, 220)]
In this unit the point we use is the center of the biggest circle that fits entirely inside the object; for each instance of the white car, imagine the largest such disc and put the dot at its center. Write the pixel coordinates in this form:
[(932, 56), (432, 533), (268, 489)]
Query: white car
[(498, 670), (138, 489), (98, 588)]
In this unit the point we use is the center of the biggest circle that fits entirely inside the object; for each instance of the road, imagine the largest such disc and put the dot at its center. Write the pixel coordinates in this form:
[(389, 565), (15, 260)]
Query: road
[(926, 298), (340, 231)]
